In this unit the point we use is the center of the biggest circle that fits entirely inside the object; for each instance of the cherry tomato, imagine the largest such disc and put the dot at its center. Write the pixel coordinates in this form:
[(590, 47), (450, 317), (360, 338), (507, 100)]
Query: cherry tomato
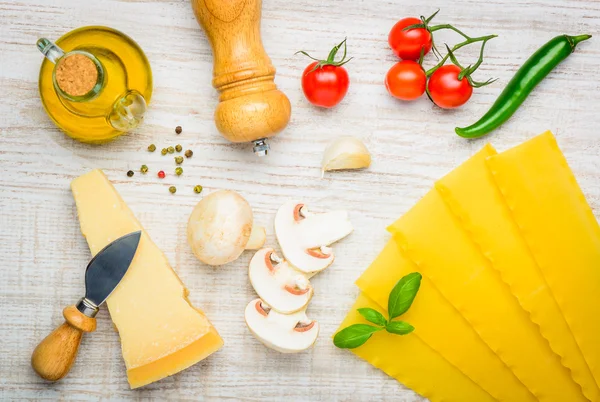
[(326, 86), (446, 90), (406, 80), (408, 44)]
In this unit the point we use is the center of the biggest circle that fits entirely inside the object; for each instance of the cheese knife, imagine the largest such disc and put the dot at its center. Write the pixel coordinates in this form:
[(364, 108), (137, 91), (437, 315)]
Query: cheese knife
[(53, 357)]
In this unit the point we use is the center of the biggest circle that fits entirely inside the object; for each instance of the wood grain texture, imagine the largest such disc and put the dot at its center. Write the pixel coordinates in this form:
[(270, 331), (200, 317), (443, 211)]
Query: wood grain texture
[(43, 255), (250, 106), (54, 356)]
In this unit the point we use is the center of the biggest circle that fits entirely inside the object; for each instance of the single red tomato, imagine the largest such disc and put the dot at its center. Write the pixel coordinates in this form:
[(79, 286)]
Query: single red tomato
[(325, 82), (325, 86), (406, 80), (408, 44), (446, 90)]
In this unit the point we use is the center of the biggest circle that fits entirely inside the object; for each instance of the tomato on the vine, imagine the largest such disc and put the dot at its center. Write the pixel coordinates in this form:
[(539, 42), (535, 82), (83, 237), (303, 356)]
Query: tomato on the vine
[(407, 44), (325, 82), (446, 90), (406, 80)]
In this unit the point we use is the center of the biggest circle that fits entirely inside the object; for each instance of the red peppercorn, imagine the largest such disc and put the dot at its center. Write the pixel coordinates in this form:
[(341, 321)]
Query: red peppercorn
[(161, 174)]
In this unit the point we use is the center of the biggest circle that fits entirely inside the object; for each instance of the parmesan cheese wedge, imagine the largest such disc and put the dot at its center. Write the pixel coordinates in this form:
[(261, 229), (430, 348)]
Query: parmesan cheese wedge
[(561, 231), (439, 325), (473, 197), (161, 332), (409, 360)]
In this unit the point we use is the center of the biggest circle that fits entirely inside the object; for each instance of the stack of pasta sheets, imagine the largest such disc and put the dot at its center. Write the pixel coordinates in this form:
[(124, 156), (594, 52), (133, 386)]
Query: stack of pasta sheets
[(509, 305)]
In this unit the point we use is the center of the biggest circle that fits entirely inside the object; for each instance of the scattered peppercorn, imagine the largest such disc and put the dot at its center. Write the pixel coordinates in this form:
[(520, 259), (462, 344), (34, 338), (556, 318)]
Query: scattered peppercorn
[(151, 148), (163, 151), (178, 129), (179, 160), (197, 189), (188, 153), (161, 174), (130, 173), (144, 169), (178, 148), (178, 171), (170, 150), (172, 189)]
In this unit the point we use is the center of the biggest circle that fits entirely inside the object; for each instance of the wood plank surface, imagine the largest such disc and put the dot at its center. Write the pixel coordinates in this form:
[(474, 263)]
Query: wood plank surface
[(43, 255)]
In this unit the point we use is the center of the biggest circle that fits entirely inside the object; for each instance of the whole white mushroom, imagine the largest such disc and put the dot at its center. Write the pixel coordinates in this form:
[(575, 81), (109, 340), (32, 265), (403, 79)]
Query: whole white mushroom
[(221, 227)]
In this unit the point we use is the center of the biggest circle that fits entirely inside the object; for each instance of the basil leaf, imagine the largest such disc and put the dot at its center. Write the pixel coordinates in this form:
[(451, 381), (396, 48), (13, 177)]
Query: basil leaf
[(373, 316), (403, 294), (399, 327), (353, 336)]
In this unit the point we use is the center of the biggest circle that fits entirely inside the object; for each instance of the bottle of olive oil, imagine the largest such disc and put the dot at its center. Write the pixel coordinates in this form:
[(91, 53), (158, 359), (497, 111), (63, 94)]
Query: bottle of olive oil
[(95, 83)]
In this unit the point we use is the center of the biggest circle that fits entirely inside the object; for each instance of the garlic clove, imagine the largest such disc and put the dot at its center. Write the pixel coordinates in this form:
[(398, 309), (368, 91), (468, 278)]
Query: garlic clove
[(345, 153)]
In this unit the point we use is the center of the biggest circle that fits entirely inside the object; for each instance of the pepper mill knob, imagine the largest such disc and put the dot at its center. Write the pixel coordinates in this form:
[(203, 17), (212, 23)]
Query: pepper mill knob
[(251, 108)]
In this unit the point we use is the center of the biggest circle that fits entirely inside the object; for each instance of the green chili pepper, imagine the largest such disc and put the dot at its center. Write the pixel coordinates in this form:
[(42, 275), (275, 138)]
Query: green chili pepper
[(527, 77)]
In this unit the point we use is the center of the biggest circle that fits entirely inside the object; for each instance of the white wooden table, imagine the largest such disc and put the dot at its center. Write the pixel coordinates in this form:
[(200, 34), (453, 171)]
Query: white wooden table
[(43, 255)]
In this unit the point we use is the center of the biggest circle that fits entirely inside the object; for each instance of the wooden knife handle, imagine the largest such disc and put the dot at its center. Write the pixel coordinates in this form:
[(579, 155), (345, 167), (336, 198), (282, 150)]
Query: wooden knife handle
[(53, 357), (251, 107)]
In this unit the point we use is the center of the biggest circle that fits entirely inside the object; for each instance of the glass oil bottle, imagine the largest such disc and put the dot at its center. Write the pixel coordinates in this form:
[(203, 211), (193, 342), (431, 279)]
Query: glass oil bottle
[(95, 83)]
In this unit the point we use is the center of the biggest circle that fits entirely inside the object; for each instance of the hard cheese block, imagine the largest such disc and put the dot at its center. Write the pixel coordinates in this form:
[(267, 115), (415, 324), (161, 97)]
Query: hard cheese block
[(430, 235), (439, 325), (161, 332), (473, 197), (413, 363), (560, 230)]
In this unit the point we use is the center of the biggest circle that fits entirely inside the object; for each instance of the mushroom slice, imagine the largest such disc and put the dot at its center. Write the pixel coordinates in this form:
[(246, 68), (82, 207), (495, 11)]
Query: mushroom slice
[(221, 227), (282, 287), (286, 333), (305, 237)]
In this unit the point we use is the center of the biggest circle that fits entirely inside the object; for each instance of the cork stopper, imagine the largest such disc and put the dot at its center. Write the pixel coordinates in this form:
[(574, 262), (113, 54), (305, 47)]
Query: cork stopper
[(76, 74)]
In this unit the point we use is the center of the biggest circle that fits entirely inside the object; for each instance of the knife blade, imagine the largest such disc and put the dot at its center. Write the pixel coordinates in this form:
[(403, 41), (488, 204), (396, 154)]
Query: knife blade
[(105, 271), (53, 357)]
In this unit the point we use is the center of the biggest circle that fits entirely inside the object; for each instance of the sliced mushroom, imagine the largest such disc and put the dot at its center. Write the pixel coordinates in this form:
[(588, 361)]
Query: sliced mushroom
[(221, 227), (277, 283), (305, 237), (286, 333)]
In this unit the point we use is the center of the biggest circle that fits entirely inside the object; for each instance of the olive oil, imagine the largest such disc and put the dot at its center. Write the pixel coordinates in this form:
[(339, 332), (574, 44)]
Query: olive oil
[(116, 103)]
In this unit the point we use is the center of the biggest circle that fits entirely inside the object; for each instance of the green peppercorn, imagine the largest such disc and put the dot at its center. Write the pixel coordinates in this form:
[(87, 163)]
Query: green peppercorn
[(197, 189), (151, 148), (178, 171), (163, 151), (172, 189), (179, 160), (178, 148), (188, 153), (178, 129), (130, 173), (170, 150), (144, 169)]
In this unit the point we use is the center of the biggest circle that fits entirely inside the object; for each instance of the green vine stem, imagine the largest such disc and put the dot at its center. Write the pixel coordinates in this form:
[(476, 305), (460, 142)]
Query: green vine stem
[(466, 72), (330, 61), (468, 40)]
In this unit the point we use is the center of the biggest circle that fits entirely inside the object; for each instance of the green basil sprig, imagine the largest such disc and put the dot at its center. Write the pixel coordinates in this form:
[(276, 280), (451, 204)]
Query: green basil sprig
[(373, 316), (403, 294), (354, 335), (401, 298)]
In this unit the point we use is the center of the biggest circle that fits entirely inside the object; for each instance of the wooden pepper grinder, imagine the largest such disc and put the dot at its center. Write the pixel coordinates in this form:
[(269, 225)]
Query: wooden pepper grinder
[(251, 108)]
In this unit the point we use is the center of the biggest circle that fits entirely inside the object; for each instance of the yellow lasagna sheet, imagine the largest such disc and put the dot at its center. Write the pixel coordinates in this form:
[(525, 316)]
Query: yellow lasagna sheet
[(473, 197), (560, 230), (413, 363), (439, 325), (430, 235)]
